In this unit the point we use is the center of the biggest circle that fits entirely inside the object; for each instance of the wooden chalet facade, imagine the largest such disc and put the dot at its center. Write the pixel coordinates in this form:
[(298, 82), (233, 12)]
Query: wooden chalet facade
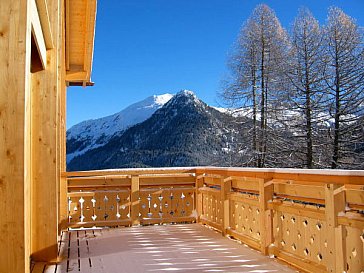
[(44, 47), (311, 219)]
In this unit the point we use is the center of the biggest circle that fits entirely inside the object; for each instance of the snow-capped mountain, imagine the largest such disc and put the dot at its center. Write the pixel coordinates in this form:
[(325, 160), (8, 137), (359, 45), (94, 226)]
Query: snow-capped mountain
[(94, 133), (184, 132)]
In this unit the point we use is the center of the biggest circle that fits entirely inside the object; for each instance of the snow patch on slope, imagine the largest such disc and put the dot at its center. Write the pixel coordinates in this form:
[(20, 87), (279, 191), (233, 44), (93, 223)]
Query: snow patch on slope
[(97, 132)]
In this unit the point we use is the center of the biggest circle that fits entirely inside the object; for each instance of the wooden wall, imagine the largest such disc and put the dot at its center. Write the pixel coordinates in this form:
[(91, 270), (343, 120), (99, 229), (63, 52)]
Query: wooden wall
[(32, 135), (46, 108), (15, 42)]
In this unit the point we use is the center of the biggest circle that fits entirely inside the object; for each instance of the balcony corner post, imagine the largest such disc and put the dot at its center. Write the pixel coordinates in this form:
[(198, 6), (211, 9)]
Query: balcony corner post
[(335, 203)]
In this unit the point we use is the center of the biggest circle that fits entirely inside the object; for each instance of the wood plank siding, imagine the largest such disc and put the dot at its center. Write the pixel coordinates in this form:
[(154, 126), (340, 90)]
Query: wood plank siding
[(32, 122)]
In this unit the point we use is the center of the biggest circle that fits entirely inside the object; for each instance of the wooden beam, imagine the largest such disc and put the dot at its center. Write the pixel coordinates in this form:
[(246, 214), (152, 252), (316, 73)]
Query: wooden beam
[(298, 190), (38, 34), (167, 181), (251, 242), (99, 224), (205, 221), (303, 264), (135, 171), (266, 190), (99, 182), (354, 221), (15, 59), (67, 34), (89, 37), (313, 176), (76, 76), (333, 205), (63, 204), (83, 84), (209, 191), (135, 202), (46, 91), (45, 22), (298, 210), (241, 198), (198, 194), (225, 193)]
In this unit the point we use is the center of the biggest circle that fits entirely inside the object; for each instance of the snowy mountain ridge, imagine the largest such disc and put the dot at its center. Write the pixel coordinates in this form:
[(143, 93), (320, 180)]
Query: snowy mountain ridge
[(94, 133), (184, 132)]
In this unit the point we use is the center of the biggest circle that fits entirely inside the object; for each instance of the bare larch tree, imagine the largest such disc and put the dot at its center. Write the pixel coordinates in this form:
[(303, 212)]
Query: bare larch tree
[(344, 76)]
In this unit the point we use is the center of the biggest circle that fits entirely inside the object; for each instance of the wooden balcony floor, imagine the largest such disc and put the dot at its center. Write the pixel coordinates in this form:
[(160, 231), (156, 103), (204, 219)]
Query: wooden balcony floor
[(166, 248)]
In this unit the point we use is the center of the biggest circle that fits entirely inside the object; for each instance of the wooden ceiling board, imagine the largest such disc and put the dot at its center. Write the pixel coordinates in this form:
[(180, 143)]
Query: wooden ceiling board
[(80, 32)]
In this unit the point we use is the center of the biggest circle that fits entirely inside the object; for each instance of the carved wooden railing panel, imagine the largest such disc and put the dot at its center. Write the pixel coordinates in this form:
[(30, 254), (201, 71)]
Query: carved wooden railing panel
[(126, 198), (311, 219), (303, 237), (167, 204), (94, 208), (351, 229), (354, 249), (245, 218), (211, 207)]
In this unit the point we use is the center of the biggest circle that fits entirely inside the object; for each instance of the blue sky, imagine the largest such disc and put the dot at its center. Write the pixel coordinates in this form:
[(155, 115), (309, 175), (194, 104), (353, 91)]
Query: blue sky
[(147, 47)]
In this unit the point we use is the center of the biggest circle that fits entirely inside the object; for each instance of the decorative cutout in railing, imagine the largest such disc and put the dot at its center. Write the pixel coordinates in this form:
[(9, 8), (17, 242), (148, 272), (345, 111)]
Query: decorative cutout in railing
[(301, 236), (211, 206), (167, 204), (98, 206), (125, 200), (245, 215), (311, 219), (354, 249)]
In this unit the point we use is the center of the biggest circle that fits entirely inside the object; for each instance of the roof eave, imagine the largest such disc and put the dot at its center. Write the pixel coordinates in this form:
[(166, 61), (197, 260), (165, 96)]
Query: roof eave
[(80, 37)]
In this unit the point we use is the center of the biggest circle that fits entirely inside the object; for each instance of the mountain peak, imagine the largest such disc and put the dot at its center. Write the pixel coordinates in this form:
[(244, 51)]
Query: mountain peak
[(185, 97), (186, 92), (184, 132), (90, 134)]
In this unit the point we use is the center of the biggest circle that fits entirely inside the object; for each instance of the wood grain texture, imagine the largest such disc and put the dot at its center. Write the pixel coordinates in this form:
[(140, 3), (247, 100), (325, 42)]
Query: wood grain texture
[(46, 89), (15, 48)]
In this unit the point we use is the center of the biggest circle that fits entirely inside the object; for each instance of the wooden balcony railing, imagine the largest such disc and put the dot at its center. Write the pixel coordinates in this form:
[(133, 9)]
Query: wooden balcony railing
[(312, 219), (127, 198)]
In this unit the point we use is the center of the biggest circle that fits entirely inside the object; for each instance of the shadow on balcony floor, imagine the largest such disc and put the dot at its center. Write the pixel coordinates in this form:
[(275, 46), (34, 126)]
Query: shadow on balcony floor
[(168, 248)]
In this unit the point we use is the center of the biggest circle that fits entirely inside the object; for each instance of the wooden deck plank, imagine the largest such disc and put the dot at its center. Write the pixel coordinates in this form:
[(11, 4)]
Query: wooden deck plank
[(97, 265), (183, 248), (62, 253), (192, 248), (84, 252), (73, 262)]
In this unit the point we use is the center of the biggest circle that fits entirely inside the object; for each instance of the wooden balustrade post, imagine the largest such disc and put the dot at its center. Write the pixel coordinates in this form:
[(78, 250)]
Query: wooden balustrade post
[(199, 184), (134, 199), (63, 204), (225, 191), (335, 203), (266, 190)]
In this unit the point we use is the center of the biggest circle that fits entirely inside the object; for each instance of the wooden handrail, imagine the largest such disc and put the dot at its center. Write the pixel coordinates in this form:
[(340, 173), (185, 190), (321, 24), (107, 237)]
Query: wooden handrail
[(308, 218), (304, 175)]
